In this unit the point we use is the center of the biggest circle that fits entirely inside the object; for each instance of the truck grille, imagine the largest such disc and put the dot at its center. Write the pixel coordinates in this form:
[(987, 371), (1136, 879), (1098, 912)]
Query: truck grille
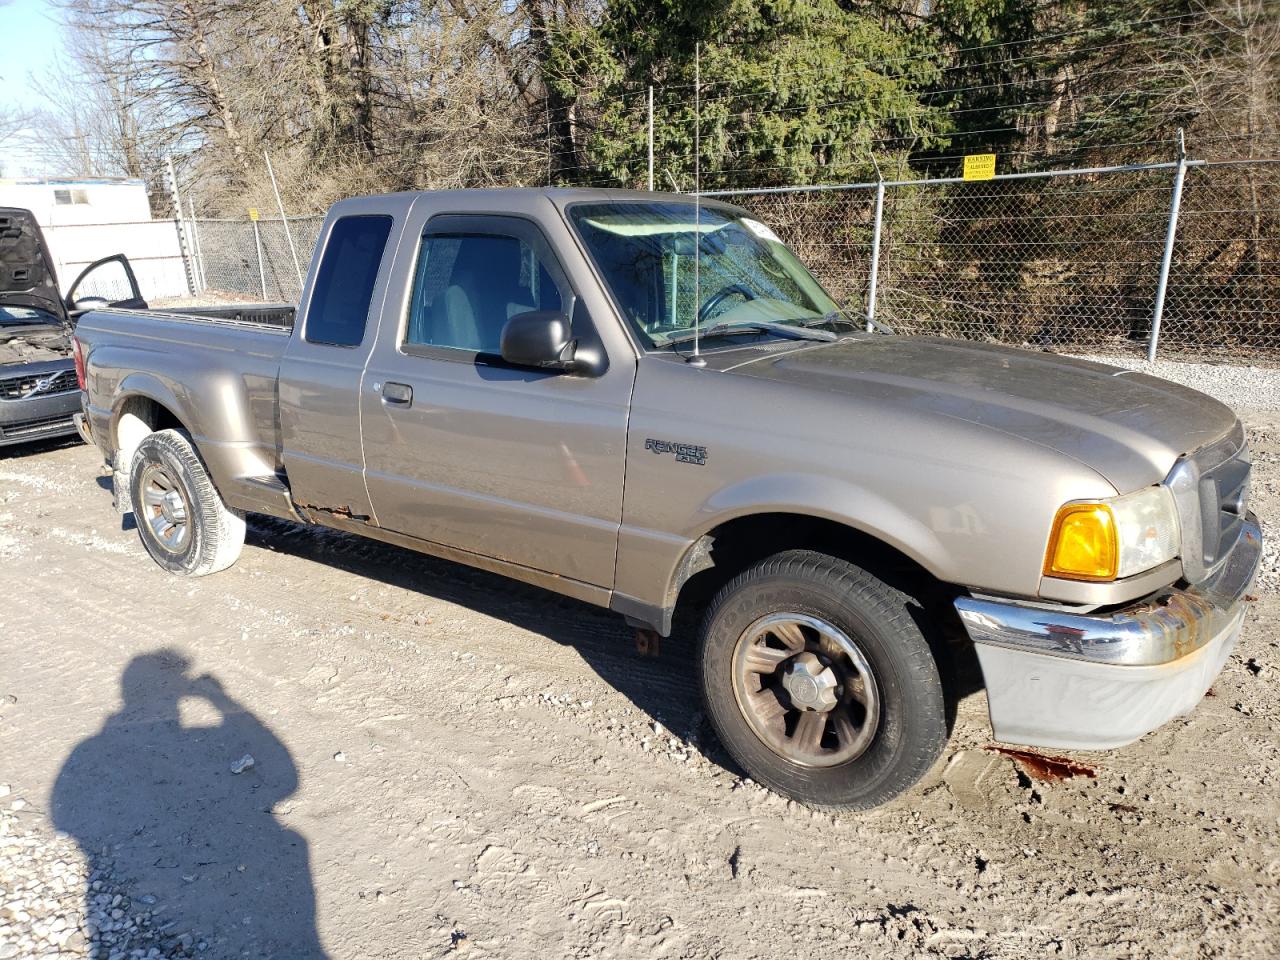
[(1224, 500), (44, 385), (1211, 490)]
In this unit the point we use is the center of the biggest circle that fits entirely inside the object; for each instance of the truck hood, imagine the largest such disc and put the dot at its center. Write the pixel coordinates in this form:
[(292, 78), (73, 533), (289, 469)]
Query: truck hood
[(27, 277), (1129, 427)]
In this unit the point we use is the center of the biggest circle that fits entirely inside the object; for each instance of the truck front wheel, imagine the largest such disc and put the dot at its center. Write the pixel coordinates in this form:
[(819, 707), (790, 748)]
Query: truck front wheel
[(820, 683), (181, 519)]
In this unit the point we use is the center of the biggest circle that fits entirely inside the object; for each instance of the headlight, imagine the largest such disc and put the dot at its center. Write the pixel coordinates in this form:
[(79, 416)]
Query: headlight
[(1113, 539)]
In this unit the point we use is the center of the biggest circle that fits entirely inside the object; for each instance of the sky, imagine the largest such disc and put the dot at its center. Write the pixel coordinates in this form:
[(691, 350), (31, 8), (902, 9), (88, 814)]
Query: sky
[(33, 41)]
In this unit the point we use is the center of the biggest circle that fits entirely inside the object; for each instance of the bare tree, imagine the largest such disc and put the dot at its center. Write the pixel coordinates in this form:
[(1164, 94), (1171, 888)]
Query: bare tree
[(177, 55), (12, 123)]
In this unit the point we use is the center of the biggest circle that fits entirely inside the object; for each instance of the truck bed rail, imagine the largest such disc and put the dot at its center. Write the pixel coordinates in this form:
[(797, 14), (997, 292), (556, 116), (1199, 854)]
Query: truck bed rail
[(276, 316)]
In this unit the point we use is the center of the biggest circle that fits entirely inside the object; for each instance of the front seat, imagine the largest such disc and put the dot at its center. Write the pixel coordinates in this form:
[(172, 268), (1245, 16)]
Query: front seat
[(458, 325)]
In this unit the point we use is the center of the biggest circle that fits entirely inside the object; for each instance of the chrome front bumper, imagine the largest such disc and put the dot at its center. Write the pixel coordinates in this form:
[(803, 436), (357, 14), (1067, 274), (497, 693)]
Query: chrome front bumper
[(1094, 681)]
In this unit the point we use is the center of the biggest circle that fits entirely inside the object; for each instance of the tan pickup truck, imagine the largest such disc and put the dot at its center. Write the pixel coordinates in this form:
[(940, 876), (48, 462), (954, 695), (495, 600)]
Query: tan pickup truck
[(648, 403)]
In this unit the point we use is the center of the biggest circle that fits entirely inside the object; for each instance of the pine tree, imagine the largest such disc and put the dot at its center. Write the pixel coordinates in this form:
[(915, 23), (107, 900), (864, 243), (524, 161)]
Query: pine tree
[(791, 91)]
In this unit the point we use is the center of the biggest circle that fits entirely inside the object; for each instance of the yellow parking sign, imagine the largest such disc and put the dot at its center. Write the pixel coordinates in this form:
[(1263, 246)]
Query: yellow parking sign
[(253, 213), (980, 166)]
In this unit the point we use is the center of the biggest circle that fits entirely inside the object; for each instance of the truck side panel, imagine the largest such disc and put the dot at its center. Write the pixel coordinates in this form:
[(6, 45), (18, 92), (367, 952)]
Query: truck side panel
[(765, 450), (217, 380)]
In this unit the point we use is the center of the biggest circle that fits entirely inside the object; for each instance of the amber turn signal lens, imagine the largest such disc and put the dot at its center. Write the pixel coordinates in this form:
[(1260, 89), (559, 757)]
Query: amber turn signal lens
[(1083, 544)]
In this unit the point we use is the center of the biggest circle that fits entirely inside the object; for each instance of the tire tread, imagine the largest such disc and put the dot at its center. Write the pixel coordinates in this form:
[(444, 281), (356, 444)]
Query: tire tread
[(892, 609), (220, 537)]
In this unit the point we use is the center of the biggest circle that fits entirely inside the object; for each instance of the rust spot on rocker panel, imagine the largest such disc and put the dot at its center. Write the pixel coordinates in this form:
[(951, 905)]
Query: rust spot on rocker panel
[(343, 512), (1044, 768)]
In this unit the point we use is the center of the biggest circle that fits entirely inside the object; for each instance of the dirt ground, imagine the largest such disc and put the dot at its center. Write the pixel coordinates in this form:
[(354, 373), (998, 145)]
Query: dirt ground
[(444, 761)]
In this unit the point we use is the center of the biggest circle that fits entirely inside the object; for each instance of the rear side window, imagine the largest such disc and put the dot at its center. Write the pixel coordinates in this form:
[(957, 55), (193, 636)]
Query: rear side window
[(344, 282)]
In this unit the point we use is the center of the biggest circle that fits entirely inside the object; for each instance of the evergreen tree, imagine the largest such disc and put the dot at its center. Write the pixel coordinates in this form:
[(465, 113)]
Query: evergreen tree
[(791, 91)]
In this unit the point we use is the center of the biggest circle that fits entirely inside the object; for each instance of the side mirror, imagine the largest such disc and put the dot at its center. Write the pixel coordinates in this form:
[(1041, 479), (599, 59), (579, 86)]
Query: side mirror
[(539, 338), (85, 304)]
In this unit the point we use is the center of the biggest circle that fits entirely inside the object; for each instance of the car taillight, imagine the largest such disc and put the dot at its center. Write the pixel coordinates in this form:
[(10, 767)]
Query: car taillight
[(78, 352)]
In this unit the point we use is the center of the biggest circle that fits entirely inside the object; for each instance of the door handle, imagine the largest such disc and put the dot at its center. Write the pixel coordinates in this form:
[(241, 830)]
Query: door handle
[(401, 394)]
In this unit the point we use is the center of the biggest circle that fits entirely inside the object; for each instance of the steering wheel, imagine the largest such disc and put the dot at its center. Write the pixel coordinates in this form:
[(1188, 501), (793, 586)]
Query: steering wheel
[(720, 296)]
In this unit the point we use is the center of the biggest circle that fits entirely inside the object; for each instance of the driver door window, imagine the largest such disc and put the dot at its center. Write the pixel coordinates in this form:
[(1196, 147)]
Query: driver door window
[(467, 287)]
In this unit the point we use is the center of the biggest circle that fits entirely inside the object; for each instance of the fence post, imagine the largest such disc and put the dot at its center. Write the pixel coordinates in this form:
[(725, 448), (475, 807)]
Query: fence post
[(1166, 259), (651, 138), (257, 245), (183, 251), (195, 245), (874, 277)]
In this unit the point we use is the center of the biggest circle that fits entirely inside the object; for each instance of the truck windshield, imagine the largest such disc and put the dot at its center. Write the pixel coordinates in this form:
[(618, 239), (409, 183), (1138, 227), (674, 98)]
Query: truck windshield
[(747, 281)]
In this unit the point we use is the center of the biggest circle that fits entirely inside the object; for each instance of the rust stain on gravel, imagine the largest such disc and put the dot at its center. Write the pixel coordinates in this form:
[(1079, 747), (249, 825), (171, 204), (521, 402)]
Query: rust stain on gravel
[(1043, 768)]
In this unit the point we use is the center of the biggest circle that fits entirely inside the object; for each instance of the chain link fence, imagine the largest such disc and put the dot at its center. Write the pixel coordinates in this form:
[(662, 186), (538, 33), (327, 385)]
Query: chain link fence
[(1065, 260), (249, 260), (1223, 297), (1046, 263)]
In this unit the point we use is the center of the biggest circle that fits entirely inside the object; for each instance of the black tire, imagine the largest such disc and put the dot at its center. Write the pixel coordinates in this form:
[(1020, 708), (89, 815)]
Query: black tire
[(911, 729), (212, 535)]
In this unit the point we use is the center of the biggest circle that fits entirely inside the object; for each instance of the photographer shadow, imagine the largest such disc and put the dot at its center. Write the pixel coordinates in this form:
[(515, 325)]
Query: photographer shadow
[(201, 864)]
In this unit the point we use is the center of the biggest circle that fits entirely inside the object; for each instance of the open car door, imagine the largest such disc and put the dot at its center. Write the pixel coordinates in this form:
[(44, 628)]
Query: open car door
[(108, 282)]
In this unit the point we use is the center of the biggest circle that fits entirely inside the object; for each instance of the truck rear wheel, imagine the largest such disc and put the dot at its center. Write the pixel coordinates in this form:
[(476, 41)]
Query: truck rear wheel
[(181, 519), (820, 683)]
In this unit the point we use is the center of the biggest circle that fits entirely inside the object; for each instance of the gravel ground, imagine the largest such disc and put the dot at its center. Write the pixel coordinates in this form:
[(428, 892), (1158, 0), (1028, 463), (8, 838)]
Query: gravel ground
[(1244, 388), (340, 748)]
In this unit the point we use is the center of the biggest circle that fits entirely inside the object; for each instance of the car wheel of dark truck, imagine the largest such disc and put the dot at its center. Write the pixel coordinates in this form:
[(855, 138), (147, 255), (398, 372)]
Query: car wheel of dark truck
[(820, 683), (181, 519)]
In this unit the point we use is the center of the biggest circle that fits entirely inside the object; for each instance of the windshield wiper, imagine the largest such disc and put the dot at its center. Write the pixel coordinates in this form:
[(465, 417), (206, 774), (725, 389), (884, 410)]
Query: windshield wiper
[(842, 316), (835, 316), (788, 330)]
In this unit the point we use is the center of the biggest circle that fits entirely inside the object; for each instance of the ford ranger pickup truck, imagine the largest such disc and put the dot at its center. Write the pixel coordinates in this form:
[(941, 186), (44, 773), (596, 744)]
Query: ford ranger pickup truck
[(646, 402)]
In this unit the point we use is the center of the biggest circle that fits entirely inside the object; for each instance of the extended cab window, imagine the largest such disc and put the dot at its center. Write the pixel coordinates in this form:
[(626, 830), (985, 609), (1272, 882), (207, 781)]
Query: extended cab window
[(467, 286), (344, 281)]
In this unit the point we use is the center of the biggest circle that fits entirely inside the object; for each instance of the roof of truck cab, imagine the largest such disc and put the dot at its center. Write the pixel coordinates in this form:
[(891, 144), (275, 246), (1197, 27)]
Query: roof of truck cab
[(561, 197)]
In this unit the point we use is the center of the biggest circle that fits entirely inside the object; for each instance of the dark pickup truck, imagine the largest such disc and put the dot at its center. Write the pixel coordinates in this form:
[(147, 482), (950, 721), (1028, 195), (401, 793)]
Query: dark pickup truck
[(648, 403)]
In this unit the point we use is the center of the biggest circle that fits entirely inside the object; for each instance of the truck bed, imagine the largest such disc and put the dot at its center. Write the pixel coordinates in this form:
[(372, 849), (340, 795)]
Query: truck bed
[(279, 315)]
